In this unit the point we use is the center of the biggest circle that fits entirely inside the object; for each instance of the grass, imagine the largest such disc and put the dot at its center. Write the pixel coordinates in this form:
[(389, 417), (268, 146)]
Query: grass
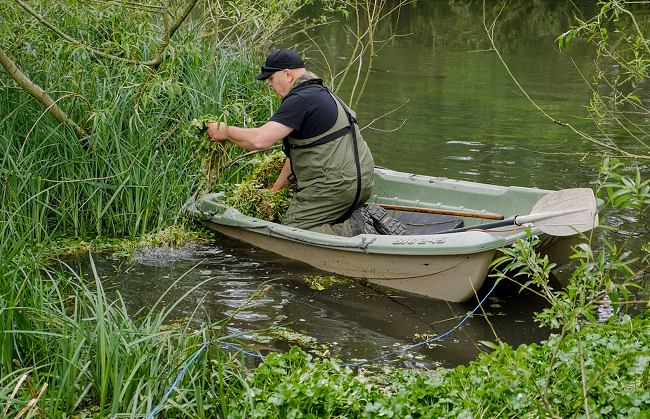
[(612, 360), (63, 331), (95, 357)]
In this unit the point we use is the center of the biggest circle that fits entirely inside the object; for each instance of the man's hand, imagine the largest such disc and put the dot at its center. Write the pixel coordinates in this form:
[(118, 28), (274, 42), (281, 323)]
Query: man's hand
[(249, 138), (217, 131), (283, 179)]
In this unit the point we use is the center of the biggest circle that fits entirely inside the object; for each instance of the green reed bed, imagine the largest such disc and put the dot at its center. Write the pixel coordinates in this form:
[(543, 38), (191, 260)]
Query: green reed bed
[(128, 178), (139, 170), (93, 357)]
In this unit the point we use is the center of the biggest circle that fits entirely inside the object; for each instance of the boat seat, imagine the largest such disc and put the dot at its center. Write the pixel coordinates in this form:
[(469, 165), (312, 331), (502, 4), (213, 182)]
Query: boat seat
[(422, 223)]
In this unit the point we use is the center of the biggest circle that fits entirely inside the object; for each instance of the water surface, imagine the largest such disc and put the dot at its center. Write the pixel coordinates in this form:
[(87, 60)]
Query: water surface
[(460, 115)]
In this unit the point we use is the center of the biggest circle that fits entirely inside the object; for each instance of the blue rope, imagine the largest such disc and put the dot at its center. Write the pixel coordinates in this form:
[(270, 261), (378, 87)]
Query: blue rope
[(243, 351), (196, 355), (356, 364), (166, 396)]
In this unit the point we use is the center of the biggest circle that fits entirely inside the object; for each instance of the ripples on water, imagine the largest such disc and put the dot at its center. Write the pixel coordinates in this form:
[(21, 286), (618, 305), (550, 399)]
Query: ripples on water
[(355, 320)]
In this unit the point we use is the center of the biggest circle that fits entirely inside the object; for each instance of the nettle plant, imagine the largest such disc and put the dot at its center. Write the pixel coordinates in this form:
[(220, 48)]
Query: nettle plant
[(605, 276), (602, 277)]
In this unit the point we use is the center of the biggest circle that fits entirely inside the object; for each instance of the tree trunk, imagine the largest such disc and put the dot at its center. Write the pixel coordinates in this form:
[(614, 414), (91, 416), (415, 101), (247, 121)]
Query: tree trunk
[(39, 94)]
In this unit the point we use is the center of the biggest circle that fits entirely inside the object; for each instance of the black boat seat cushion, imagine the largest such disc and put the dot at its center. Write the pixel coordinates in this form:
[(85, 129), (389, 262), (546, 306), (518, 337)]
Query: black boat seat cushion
[(422, 223)]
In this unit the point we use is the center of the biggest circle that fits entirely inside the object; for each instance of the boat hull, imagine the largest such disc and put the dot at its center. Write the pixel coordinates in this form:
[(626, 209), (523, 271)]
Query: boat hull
[(452, 277), (448, 266)]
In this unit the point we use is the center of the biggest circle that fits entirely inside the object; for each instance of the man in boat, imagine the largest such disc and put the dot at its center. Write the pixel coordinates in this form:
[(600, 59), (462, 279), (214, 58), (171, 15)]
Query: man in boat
[(328, 160)]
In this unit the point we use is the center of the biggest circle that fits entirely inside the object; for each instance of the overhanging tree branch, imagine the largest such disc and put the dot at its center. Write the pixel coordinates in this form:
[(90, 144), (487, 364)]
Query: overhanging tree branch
[(37, 92), (75, 42), (42, 96), (154, 63), (613, 148)]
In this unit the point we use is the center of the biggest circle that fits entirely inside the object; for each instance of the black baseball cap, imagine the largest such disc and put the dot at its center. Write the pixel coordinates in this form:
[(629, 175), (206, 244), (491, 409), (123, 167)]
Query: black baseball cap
[(278, 61)]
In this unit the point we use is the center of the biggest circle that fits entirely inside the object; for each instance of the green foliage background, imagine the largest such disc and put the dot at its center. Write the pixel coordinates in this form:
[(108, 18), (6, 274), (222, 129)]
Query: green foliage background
[(85, 356)]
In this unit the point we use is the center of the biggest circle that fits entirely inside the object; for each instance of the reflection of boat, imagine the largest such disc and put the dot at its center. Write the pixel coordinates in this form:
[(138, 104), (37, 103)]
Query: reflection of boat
[(449, 265)]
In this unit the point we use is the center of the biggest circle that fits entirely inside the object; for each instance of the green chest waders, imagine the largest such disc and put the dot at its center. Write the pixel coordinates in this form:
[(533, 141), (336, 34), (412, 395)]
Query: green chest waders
[(334, 171)]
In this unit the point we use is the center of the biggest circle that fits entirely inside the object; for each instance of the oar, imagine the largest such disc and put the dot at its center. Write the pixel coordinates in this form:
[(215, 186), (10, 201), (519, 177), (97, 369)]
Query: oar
[(485, 215), (562, 213)]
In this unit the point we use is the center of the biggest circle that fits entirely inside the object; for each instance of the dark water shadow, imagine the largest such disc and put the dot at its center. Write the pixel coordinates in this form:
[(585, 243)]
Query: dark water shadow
[(353, 320)]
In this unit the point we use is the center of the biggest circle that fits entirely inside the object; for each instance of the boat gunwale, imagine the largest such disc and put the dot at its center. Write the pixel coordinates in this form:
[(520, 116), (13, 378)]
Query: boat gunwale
[(208, 208), (371, 243)]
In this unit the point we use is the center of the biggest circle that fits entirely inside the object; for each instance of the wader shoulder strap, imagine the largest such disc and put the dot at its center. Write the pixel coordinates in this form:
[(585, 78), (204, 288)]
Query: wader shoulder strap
[(357, 163), (325, 139)]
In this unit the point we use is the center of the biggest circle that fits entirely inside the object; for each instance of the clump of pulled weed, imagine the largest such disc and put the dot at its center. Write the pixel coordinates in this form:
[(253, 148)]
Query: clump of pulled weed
[(254, 198), (320, 282), (214, 154)]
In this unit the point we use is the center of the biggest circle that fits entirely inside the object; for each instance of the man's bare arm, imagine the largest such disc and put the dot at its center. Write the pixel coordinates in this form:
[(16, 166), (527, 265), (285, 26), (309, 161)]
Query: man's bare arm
[(260, 138), (283, 179)]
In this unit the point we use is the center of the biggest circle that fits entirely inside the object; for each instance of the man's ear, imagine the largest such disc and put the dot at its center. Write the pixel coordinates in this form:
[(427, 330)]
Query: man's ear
[(290, 75)]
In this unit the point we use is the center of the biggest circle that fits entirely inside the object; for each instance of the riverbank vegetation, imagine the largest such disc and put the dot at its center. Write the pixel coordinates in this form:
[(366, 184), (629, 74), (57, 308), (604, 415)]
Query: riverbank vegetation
[(97, 103)]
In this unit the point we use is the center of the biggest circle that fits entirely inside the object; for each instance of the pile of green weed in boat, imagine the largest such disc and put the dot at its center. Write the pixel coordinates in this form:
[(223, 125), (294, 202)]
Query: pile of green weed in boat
[(252, 196)]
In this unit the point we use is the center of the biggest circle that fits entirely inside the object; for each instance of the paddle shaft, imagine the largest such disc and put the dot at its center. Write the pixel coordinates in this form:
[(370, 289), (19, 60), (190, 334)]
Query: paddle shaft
[(517, 220), (485, 215), (555, 214), (502, 223)]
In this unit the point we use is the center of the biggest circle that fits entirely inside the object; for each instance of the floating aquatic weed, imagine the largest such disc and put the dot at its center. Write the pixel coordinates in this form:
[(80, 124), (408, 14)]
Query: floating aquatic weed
[(320, 282), (290, 336)]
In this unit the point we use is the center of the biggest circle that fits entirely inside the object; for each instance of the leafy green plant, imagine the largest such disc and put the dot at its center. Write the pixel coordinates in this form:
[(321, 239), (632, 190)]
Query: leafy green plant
[(601, 278), (598, 371), (253, 196)]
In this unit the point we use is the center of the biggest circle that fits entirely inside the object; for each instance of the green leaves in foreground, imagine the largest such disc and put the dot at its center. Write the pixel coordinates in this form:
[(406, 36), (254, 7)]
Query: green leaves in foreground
[(602, 369)]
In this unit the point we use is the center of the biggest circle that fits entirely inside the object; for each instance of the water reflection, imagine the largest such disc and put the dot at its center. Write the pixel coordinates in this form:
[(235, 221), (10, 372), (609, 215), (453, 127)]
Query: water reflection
[(354, 320), (465, 120), (465, 116)]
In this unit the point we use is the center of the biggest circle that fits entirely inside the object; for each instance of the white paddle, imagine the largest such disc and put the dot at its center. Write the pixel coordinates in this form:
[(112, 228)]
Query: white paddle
[(562, 213)]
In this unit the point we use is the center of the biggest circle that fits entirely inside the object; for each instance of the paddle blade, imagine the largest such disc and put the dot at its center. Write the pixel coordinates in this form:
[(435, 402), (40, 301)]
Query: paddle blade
[(564, 213)]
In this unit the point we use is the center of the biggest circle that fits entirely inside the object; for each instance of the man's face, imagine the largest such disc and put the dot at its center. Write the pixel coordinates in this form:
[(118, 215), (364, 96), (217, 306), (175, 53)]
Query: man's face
[(281, 82)]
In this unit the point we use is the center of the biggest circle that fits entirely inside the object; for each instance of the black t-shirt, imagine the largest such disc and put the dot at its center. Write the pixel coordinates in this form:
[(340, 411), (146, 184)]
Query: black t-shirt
[(309, 110)]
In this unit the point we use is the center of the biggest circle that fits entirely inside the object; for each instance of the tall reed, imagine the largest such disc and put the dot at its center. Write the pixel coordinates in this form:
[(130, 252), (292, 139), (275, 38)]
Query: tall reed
[(97, 357), (140, 168)]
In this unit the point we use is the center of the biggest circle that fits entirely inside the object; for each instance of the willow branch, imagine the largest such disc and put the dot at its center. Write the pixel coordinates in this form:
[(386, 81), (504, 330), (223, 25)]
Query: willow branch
[(39, 94), (157, 60), (75, 42), (162, 46), (387, 113), (490, 33), (169, 32), (149, 8), (636, 25)]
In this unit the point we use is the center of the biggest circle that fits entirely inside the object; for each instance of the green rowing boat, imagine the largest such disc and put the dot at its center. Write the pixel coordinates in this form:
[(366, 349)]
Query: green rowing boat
[(456, 229)]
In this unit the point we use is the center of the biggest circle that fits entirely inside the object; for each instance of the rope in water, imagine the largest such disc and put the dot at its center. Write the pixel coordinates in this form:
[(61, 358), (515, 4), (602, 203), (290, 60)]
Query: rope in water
[(356, 364)]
